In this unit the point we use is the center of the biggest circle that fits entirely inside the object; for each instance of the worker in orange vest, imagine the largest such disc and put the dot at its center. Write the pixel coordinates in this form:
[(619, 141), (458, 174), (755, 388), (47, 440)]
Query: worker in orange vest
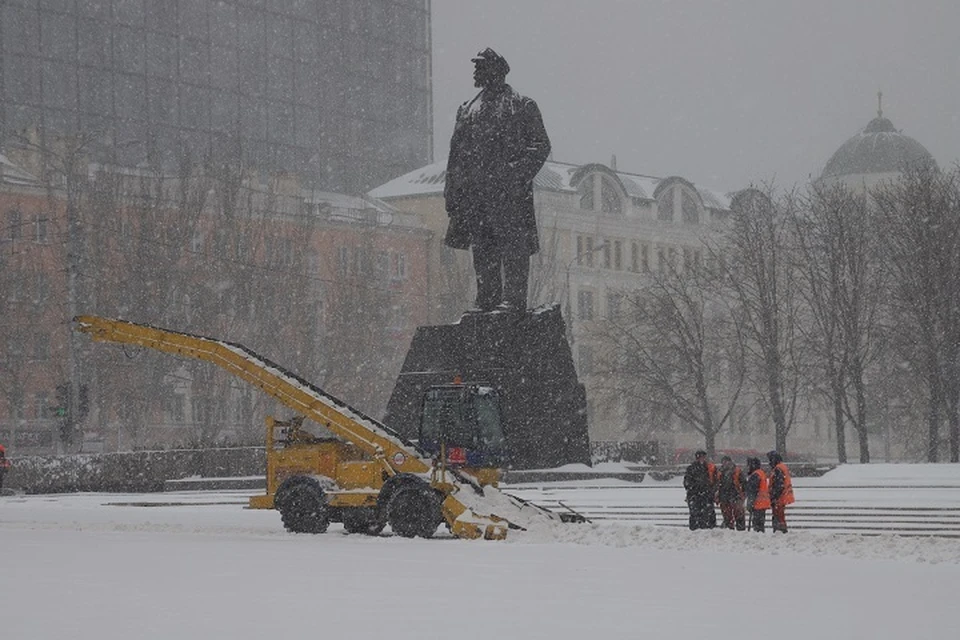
[(730, 494), (758, 494), (781, 490)]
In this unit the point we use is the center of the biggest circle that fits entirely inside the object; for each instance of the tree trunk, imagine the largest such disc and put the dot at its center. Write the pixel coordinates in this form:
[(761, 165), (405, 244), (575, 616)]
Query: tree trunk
[(954, 419), (710, 442), (839, 424), (933, 421), (779, 415), (861, 418)]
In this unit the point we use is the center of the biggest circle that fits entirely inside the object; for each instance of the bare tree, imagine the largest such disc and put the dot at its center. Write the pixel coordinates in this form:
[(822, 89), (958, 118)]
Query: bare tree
[(920, 218), (754, 254), (677, 345), (843, 287), (361, 356)]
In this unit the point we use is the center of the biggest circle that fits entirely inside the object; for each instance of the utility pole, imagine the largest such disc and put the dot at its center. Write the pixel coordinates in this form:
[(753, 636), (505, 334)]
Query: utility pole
[(74, 250)]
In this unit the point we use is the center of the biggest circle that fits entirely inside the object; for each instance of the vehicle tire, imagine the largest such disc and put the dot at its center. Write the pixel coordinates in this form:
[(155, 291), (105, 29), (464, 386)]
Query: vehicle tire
[(363, 521), (414, 510), (304, 509)]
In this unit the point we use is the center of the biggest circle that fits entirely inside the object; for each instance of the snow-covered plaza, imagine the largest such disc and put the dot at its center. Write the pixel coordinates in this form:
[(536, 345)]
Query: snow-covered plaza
[(200, 565)]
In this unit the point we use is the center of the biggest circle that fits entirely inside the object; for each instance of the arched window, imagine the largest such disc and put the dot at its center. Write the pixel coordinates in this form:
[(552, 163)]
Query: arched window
[(600, 193), (665, 205), (689, 208), (610, 197), (679, 197), (586, 194)]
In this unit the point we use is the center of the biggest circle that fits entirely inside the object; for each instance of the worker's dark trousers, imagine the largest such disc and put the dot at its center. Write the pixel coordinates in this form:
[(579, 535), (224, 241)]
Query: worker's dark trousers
[(702, 513), (779, 517), (489, 260), (758, 518)]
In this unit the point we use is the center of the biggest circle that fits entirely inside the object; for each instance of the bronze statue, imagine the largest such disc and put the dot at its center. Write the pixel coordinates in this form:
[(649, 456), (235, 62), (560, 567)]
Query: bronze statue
[(498, 146)]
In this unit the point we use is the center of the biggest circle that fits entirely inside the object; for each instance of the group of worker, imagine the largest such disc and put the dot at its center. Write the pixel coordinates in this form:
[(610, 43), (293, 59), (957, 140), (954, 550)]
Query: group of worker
[(707, 485)]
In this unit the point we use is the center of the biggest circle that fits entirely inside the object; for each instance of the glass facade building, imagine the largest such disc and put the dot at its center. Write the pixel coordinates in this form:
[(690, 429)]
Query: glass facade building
[(335, 91)]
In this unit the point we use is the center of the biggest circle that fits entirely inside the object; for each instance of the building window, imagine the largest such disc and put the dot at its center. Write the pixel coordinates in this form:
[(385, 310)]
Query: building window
[(40, 405), (618, 255), (343, 261), (174, 407), (360, 261), (634, 257), (399, 266), (588, 251), (200, 410), (40, 227), (41, 289), (381, 266), (16, 407), (585, 359), (607, 262), (614, 304), (13, 225), (645, 257), (585, 305)]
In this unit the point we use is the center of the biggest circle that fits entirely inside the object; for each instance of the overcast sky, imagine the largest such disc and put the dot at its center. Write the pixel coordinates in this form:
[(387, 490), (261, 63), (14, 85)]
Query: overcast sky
[(722, 93)]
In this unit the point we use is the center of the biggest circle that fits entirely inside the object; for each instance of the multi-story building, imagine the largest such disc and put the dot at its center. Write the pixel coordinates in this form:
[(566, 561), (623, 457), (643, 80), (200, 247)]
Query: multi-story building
[(337, 92), (326, 284)]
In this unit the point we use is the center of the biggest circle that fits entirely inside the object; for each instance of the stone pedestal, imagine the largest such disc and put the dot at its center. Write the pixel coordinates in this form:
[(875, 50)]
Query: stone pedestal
[(526, 356)]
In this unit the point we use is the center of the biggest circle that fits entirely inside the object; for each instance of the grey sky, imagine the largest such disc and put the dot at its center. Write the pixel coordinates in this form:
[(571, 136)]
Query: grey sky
[(722, 93)]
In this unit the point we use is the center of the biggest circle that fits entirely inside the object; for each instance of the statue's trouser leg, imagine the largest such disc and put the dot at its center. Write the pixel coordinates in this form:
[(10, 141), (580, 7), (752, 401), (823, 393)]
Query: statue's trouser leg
[(516, 275), (486, 264)]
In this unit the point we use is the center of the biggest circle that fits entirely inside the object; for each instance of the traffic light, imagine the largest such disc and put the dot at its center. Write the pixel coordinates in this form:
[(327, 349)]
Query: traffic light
[(62, 409)]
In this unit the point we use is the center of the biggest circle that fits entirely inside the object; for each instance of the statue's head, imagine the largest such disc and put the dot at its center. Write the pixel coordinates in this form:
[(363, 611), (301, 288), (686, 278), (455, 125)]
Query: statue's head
[(490, 68)]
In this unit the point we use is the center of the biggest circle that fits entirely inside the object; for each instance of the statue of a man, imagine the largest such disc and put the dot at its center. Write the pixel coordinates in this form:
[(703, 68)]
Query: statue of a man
[(498, 146)]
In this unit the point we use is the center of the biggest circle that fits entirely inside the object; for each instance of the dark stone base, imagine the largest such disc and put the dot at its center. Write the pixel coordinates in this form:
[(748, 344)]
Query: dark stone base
[(527, 357)]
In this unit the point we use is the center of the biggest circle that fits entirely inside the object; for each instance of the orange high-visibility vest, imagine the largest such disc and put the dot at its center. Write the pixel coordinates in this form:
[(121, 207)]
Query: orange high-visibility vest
[(787, 496), (763, 493)]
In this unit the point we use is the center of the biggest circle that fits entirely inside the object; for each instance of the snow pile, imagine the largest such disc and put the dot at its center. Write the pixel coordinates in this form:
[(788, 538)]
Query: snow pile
[(884, 546)]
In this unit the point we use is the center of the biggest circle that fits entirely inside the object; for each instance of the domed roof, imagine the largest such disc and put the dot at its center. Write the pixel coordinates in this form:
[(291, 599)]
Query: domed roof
[(879, 148)]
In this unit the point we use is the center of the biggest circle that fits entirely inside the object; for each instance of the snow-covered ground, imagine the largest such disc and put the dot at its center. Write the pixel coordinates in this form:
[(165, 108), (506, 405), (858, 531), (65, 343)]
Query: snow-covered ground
[(199, 565)]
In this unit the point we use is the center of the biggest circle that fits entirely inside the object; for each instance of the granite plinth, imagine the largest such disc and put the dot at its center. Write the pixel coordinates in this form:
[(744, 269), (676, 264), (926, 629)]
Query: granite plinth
[(527, 357)]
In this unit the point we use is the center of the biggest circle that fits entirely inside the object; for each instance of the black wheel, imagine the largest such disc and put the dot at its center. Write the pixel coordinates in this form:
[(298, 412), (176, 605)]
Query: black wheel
[(304, 509), (364, 521), (414, 510)]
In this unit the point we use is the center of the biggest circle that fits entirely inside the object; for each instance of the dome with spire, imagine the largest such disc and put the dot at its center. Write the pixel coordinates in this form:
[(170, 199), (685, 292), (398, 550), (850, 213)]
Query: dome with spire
[(879, 148)]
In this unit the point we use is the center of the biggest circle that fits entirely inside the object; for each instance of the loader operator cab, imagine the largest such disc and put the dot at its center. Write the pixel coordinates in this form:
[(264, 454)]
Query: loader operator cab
[(464, 421)]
